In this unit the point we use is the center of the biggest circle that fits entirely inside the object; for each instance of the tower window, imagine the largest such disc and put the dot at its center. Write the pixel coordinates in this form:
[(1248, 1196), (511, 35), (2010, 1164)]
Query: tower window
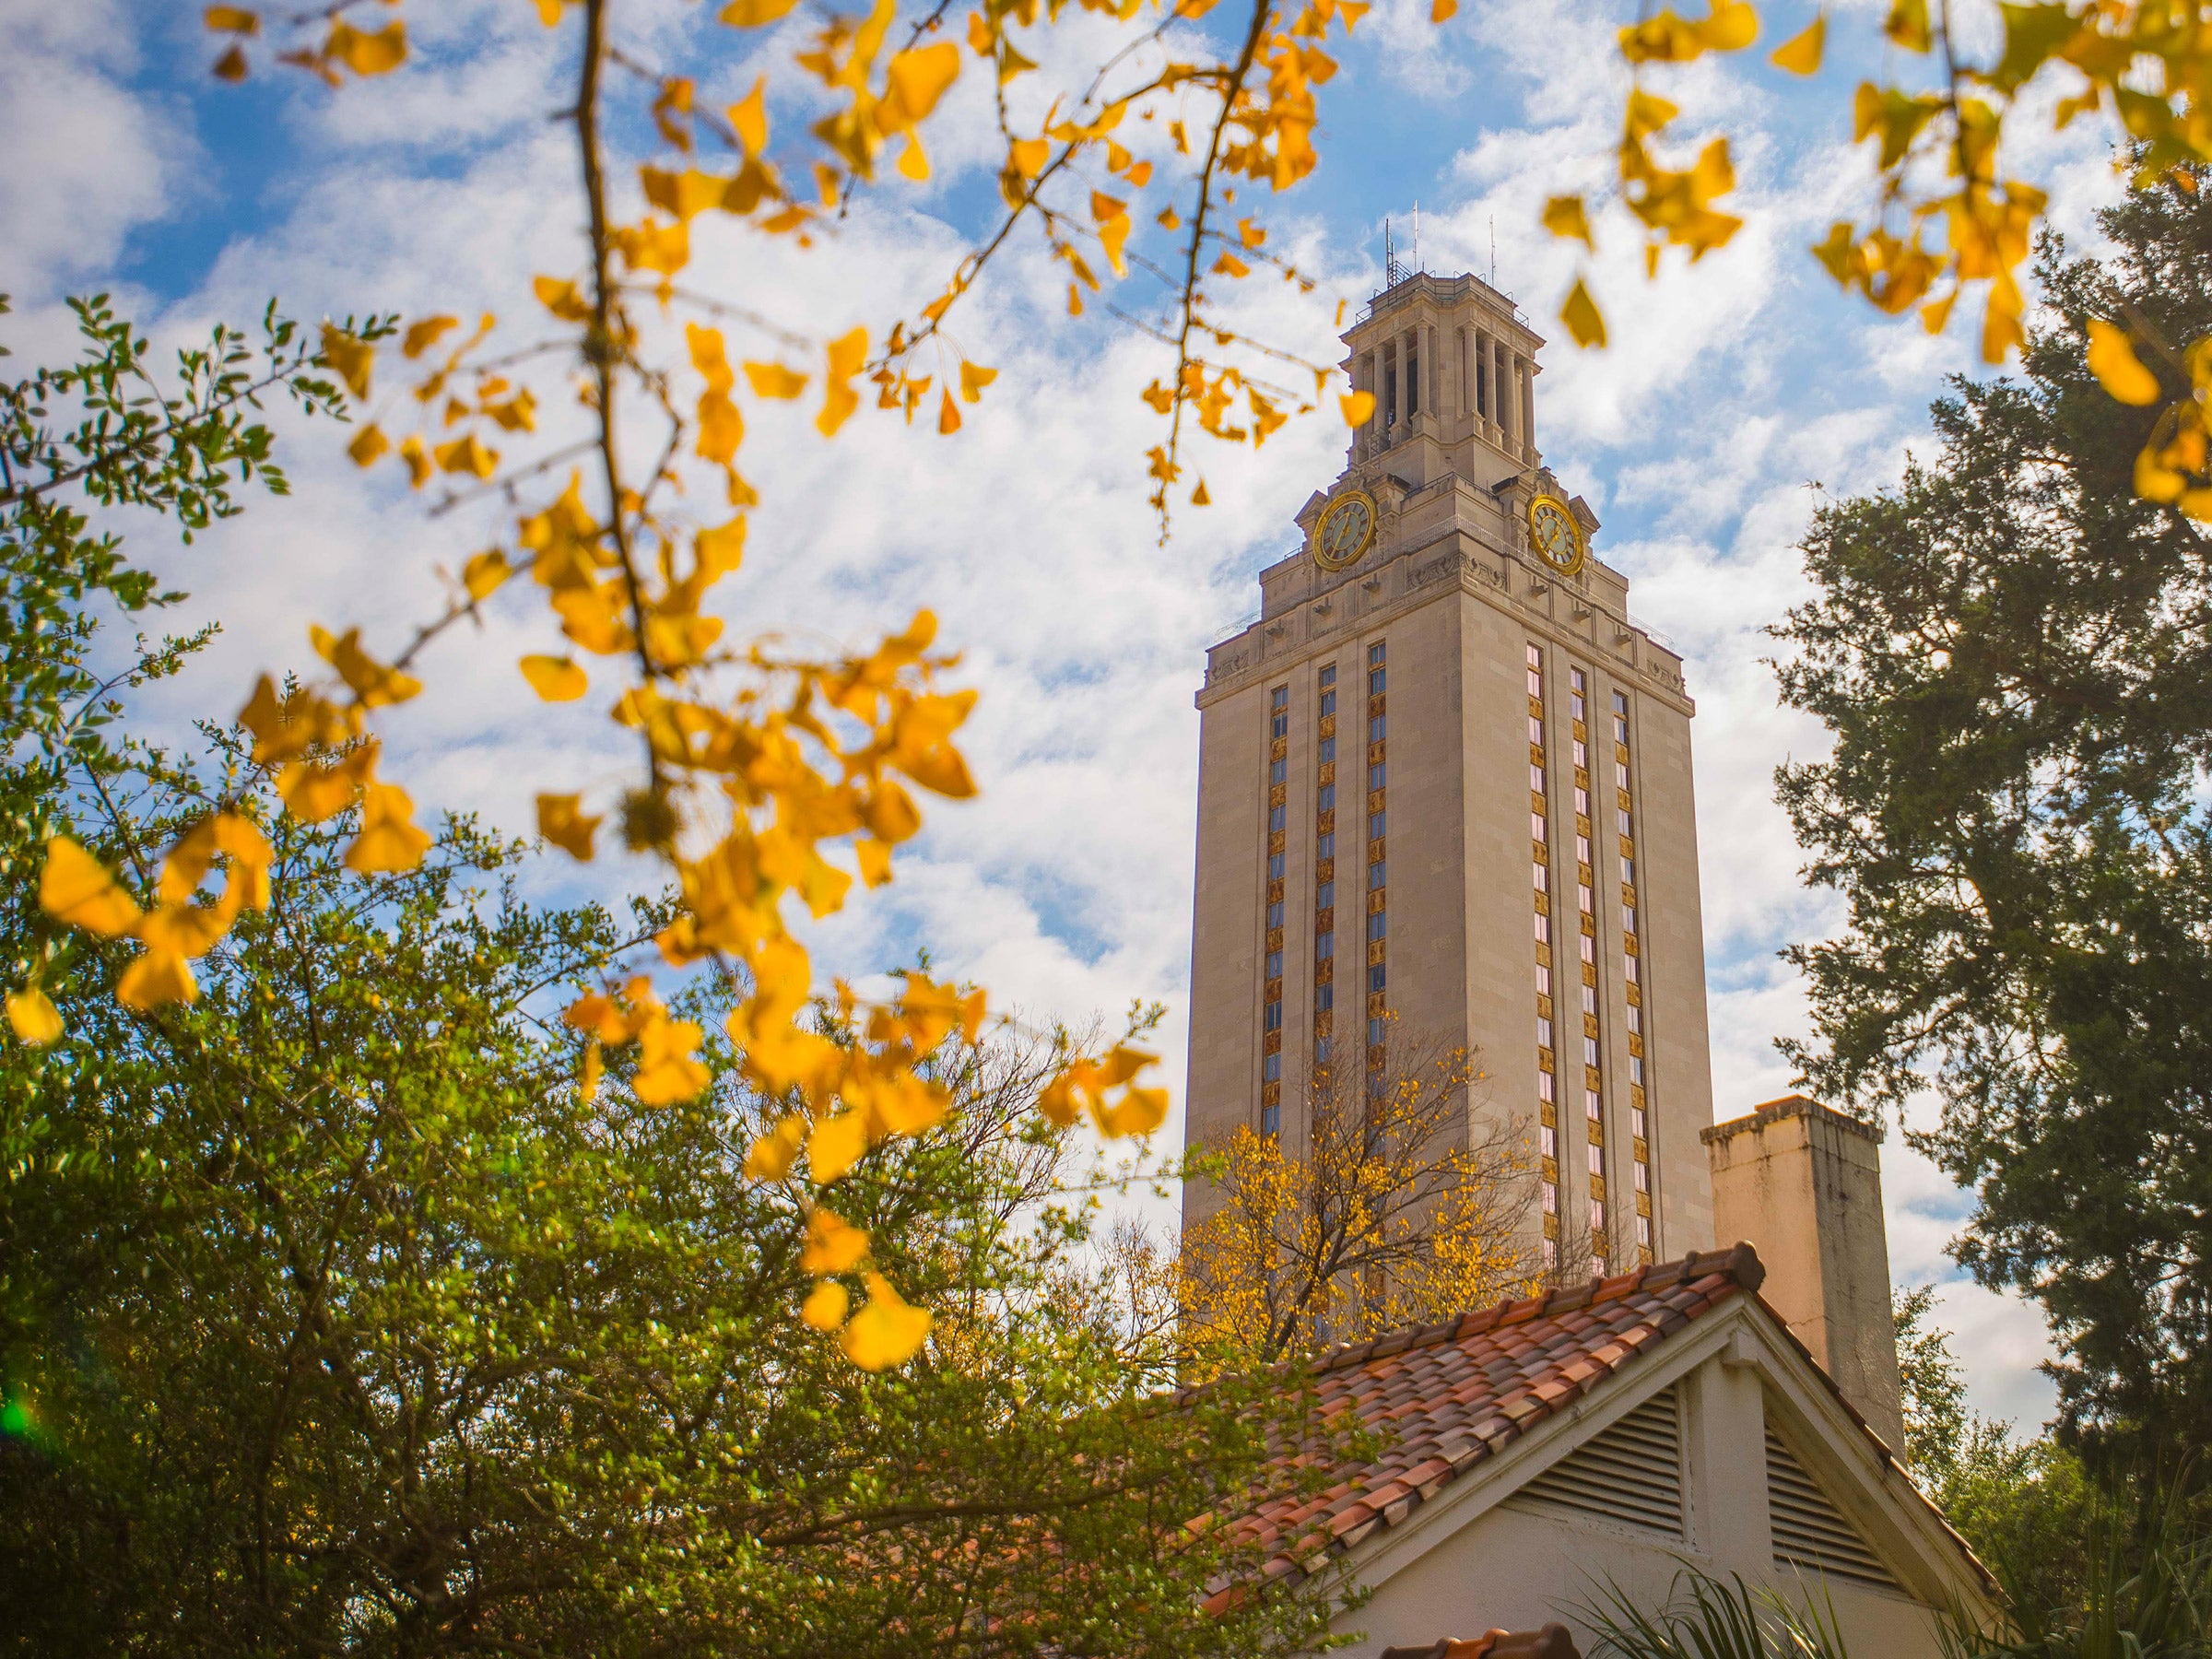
[(1271, 1068), (1278, 771), (1378, 774), (1279, 818), (1275, 964), (1378, 977), (1272, 1019), (1275, 915), (1324, 896), (1328, 675), (1324, 946), (1327, 800), (1375, 926), (1375, 876)]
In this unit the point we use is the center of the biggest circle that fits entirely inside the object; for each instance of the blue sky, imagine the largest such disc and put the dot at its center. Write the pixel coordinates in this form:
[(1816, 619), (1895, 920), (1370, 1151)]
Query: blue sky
[(1728, 393)]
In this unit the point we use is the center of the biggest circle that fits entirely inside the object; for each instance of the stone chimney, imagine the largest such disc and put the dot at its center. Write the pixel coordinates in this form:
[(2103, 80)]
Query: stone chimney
[(1804, 1185)]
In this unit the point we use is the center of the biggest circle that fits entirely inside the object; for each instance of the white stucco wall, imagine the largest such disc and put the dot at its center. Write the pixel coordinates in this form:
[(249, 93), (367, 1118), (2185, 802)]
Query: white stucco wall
[(1475, 1561)]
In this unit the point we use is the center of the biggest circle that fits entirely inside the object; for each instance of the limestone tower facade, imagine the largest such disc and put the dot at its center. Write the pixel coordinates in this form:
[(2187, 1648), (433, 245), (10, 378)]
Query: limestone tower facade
[(1444, 790)]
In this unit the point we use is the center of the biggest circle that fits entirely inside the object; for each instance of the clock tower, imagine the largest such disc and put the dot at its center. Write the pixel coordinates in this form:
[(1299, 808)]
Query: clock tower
[(1444, 797)]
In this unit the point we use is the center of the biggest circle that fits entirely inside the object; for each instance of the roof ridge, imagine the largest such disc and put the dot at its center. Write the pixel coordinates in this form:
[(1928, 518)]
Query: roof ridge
[(1739, 1261)]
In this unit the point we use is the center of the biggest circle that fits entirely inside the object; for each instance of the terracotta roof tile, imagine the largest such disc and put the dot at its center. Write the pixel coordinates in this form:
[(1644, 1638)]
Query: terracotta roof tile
[(1445, 1396)]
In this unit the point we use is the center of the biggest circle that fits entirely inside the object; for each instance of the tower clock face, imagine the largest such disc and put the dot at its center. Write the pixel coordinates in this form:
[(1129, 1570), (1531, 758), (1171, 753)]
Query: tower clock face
[(1555, 536), (1346, 529)]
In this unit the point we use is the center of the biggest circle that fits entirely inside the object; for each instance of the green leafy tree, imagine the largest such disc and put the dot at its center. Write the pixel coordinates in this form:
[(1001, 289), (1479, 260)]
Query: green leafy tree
[(337, 1317), (2023, 1505), (2012, 653)]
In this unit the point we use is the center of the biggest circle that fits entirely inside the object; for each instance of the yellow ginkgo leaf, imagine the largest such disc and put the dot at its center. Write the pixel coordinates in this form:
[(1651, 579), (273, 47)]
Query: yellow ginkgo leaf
[(1801, 54), (1028, 156), (835, 1146), (848, 355), (368, 52), (231, 66), (917, 78), (914, 160), (1359, 407), (562, 298), (1138, 1112), (557, 679), (349, 356), (419, 470), (561, 820), (467, 454), (366, 445), (231, 19), (773, 380), (156, 978), (833, 1244), (667, 1075), (1585, 323), (886, 1332), (76, 891), (974, 377), (32, 1017), (389, 842), (948, 415), (1565, 216), (1112, 234), (420, 336), (825, 1306), (754, 14), (1440, 11), (1199, 498), (377, 685), (772, 1154), (483, 574), (748, 118), (2118, 370), (721, 548)]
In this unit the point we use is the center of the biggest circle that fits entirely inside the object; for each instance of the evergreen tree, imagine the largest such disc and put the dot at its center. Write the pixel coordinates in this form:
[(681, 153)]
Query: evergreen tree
[(2012, 652)]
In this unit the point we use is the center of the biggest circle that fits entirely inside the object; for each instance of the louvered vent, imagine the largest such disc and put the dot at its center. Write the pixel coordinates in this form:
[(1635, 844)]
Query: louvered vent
[(1809, 1531), (1631, 1473)]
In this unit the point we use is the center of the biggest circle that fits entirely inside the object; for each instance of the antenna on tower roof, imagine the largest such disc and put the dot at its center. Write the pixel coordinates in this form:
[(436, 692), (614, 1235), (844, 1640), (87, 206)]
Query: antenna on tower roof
[(1493, 251), (1390, 257), (1417, 236)]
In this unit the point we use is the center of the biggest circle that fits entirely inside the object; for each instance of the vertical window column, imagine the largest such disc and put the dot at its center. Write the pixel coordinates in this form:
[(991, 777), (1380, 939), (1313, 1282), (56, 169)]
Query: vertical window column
[(1271, 996), (1585, 892), (1540, 831), (1640, 1144), (1325, 879), (1378, 869)]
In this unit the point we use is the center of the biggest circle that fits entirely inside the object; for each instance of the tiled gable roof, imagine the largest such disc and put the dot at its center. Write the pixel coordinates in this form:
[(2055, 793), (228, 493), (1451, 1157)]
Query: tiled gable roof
[(1445, 1396)]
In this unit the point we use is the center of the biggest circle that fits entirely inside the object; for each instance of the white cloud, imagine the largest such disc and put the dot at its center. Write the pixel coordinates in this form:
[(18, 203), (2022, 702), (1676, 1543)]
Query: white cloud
[(88, 158)]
